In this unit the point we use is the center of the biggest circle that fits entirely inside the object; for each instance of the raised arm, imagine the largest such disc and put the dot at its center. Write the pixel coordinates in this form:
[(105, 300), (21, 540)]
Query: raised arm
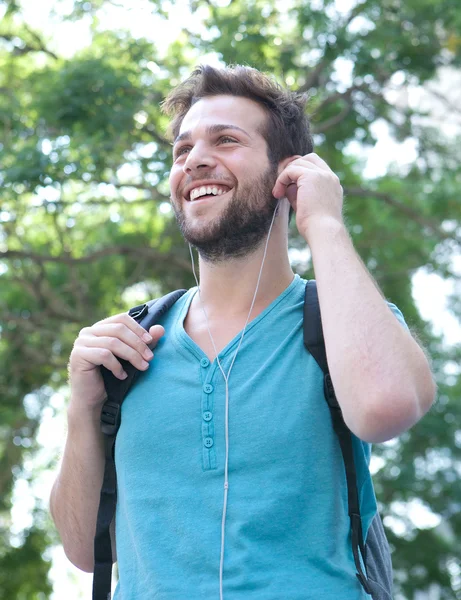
[(381, 376)]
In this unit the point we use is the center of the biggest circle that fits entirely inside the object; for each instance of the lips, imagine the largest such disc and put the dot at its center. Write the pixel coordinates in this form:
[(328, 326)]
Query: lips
[(205, 188), (206, 191)]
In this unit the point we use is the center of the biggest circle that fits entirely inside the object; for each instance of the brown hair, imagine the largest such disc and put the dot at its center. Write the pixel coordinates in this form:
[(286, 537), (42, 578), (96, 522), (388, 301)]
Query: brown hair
[(287, 130)]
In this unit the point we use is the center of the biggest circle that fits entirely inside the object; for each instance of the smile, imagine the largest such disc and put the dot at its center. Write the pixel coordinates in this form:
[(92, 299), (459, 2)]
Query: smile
[(205, 191)]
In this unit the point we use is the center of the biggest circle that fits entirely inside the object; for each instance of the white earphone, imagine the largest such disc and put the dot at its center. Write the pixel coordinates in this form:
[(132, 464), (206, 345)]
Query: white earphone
[(226, 379)]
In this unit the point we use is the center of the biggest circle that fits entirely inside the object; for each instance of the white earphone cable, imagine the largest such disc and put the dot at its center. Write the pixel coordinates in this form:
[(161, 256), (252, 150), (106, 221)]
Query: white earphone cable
[(226, 379)]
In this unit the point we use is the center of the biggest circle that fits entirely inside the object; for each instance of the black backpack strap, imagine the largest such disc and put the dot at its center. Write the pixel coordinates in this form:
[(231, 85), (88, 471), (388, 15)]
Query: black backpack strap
[(116, 390), (315, 344)]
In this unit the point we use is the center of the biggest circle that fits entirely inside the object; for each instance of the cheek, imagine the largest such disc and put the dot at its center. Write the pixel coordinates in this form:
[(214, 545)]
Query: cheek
[(175, 181), (251, 173)]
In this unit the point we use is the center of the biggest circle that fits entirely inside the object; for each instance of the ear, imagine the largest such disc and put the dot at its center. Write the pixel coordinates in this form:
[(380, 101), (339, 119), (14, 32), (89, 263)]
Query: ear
[(286, 161)]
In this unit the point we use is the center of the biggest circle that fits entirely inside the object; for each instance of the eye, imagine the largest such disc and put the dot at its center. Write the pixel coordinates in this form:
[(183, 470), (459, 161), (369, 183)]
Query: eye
[(227, 139), (180, 151)]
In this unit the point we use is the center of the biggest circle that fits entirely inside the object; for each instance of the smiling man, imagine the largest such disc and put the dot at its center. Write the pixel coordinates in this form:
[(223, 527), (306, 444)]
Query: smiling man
[(230, 477), (235, 225)]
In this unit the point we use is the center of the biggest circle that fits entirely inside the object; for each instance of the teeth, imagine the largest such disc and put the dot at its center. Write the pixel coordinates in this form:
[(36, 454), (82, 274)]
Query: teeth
[(206, 190)]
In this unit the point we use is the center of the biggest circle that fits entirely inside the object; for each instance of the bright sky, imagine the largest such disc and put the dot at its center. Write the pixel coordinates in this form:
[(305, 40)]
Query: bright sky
[(430, 291)]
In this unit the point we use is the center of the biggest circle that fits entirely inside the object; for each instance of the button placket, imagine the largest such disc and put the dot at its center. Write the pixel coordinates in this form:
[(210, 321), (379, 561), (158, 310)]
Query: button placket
[(208, 432)]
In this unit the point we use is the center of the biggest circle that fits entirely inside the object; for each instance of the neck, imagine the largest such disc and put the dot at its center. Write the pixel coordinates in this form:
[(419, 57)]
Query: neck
[(227, 288)]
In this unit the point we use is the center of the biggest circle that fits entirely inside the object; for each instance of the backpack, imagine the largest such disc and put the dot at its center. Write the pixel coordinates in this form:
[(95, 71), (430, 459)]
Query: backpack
[(371, 556)]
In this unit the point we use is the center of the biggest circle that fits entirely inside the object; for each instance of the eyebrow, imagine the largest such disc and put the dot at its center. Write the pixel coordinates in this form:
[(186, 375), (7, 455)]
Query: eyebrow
[(211, 129)]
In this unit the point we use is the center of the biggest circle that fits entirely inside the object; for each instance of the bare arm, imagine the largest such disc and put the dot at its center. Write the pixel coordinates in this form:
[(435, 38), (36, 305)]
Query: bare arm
[(75, 495), (381, 376)]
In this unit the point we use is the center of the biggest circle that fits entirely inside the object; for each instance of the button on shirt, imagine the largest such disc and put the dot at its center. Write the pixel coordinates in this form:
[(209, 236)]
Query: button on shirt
[(287, 529)]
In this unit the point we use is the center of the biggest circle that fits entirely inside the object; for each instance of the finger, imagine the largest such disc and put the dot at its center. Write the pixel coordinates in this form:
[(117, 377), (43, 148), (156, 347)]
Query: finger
[(138, 359), (130, 323), (289, 175), (291, 194), (315, 158), (315, 165), (156, 332), (104, 357), (119, 331), (307, 163)]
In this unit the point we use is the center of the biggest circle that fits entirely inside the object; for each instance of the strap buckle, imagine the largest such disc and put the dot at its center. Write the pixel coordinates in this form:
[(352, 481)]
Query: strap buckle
[(110, 417), (138, 312)]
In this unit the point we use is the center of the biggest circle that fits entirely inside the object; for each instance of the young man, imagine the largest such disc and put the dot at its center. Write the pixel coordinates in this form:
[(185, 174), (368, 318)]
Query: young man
[(230, 478)]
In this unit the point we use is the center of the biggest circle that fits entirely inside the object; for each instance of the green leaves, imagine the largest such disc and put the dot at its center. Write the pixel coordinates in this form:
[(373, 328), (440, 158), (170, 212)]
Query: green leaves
[(84, 220), (23, 570)]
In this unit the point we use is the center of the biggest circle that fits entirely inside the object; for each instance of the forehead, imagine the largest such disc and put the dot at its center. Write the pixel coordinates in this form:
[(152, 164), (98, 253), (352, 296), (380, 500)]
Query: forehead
[(232, 110)]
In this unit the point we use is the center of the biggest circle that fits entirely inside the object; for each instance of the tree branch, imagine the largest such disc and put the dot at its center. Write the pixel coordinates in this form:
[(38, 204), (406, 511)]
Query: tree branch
[(346, 96), (120, 200), (39, 289), (40, 42), (403, 208), (140, 186), (27, 48), (314, 76), (329, 123), (32, 324), (110, 251), (155, 135), (444, 100), (154, 195)]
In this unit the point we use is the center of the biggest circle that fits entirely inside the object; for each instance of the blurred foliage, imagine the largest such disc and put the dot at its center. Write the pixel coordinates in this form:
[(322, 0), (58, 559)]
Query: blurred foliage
[(85, 229), (23, 571)]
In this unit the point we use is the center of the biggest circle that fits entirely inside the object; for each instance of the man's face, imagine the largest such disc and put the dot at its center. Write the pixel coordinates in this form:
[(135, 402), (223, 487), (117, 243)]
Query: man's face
[(221, 181)]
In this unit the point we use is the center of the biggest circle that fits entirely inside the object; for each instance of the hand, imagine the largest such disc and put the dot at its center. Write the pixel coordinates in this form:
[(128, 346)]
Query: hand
[(318, 192), (118, 336)]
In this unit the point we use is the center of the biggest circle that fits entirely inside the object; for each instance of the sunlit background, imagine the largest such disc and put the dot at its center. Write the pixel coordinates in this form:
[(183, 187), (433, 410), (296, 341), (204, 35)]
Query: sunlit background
[(429, 290)]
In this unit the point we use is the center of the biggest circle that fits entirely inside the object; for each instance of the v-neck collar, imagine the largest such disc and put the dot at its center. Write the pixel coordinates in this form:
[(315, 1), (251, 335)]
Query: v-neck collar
[(186, 342)]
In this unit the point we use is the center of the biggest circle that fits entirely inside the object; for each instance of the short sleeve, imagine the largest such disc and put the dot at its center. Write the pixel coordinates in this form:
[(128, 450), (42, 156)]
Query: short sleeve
[(397, 312)]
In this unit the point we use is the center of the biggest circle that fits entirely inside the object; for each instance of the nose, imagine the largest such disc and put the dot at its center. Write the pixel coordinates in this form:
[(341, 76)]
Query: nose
[(199, 158)]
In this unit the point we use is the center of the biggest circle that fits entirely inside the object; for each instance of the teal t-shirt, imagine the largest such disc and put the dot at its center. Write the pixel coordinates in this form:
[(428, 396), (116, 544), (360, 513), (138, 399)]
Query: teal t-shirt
[(287, 528)]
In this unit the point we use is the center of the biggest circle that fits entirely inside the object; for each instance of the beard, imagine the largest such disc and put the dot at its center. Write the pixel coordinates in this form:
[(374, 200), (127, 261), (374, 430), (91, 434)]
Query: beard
[(241, 227)]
